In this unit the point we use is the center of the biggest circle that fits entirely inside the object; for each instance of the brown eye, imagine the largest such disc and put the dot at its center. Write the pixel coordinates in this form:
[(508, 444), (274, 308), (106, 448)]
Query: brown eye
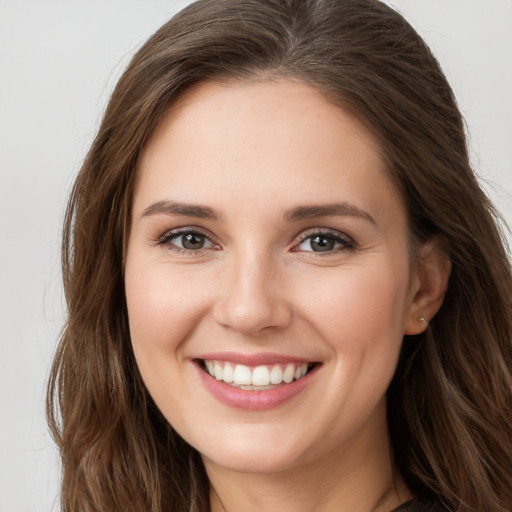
[(322, 243), (187, 240), (192, 241)]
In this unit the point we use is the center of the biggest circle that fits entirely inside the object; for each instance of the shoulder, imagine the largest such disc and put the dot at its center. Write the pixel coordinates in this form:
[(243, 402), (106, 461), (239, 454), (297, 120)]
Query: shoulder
[(419, 506)]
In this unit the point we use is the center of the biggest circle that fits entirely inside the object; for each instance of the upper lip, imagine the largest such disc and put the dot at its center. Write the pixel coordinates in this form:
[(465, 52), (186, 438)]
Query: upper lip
[(263, 358)]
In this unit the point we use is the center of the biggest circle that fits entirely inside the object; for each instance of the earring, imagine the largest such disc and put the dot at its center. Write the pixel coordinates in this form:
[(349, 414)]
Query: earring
[(421, 319)]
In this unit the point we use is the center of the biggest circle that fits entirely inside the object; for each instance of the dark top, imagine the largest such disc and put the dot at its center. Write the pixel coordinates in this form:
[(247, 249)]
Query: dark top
[(417, 506)]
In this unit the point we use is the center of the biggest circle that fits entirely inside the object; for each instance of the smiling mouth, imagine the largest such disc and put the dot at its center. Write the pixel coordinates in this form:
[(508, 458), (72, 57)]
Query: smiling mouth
[(257, 378)]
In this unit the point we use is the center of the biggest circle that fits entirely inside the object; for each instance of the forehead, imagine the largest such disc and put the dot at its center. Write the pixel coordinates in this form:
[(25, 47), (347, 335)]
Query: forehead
[(279, 140)]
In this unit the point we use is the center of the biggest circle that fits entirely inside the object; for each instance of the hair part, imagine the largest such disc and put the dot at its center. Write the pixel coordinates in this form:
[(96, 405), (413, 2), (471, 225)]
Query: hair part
[(449, 405)]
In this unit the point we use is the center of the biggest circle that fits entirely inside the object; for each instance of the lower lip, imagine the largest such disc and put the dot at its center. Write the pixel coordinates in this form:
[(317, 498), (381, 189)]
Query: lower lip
[(254, 400)]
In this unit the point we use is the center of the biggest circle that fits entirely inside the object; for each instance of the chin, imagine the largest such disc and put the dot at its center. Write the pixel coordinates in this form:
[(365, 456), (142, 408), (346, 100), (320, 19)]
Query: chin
[(258, 461), (261, 453)]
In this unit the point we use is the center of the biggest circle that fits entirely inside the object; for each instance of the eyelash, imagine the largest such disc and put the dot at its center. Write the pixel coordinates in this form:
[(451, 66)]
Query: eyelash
[(166, 240), (346, 243)]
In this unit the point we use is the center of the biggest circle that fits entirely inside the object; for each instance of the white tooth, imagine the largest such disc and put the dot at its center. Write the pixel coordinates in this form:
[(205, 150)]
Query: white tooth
[(303, 369), (276, 374), (260, 376), (297, 373), (289, 373), (210, 368), (242, 375), (218, 370), (228, 373)]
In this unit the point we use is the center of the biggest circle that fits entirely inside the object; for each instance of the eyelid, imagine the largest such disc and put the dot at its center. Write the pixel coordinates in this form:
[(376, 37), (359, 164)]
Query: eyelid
[(164, 239), (167, 236), (347, 241)]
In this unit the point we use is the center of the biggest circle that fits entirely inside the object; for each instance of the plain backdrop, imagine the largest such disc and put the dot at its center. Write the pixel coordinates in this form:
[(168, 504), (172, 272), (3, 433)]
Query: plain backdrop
[(58, 63)]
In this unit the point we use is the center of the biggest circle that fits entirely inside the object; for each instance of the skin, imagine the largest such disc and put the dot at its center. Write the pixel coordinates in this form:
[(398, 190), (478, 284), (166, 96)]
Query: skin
[(253, 152)]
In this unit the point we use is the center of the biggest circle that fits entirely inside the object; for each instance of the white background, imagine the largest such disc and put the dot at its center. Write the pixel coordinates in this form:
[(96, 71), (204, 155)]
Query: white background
[(58, 62)]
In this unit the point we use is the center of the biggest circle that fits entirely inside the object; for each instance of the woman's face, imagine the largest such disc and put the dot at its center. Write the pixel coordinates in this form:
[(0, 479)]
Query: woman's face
[(267, 241)]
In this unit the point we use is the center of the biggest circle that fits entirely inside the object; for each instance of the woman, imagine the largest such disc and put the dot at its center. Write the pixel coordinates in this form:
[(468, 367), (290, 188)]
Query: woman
[(286, 289)]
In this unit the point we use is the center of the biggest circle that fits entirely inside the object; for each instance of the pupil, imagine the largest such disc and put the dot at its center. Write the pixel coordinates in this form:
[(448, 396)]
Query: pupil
[(322, 243), (193, 241)]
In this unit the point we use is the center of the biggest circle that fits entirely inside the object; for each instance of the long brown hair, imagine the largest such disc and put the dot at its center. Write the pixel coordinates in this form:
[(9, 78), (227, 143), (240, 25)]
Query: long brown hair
[(450, 402)]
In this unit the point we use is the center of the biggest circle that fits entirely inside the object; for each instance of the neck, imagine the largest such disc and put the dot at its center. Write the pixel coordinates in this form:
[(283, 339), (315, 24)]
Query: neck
[(360, 478)]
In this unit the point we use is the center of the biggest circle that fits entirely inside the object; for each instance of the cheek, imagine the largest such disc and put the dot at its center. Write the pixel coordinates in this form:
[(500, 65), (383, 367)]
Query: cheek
[(162, 309), (360, 316), (361, 306)]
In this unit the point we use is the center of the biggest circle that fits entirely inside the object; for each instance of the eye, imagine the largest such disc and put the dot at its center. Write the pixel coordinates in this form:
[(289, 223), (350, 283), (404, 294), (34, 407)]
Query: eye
[(186, 241), (324, 242)]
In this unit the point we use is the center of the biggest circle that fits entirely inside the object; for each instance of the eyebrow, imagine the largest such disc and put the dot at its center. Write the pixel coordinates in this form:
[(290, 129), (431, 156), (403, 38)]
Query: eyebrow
[(341, 209), (184, 209)]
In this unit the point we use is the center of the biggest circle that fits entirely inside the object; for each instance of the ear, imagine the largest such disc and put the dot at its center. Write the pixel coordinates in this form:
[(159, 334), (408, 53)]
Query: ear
[(429, 287)]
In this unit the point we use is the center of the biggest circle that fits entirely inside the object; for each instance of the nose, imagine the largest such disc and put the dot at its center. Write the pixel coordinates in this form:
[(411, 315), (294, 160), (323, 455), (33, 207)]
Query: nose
[(251, 297)]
